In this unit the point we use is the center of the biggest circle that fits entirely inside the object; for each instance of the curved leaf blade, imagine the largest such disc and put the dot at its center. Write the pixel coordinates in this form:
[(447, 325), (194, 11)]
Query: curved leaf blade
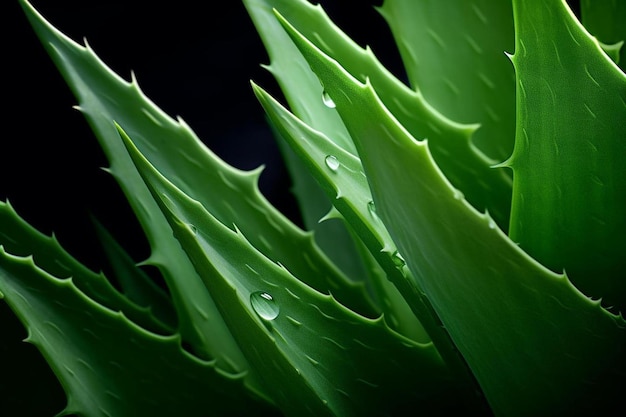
[(303, 92), (20, 238), (345, 184), (107, 365), (605, 20), (313, 354), (569, 172), (474, 81), (534, 342), (103, 97), (469, 169)]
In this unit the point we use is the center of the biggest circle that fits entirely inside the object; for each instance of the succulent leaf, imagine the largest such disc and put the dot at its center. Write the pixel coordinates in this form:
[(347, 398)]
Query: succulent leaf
[(502, 309), (174, 148), (103, 97), (569, 173), (432, 275), (468, 168), (21, 239), (604, 20), (108, 365), (289, 331), (345, 184), (303, 92), (483, 32)]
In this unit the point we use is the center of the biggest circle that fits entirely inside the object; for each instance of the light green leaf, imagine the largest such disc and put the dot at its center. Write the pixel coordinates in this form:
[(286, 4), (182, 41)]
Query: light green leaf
[(303, 92), (569, 171), (314, 356), (107, 365), (469, 169), (534, 342), (345, 182), (454, 54), (331, 235), (181, 156), (19, 238), (103, 97)]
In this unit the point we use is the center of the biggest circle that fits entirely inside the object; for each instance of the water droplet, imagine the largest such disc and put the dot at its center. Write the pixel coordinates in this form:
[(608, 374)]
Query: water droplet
[(264, 305), (193, 228), (371, 207), (328, 102), (332, 162), (398, 259), (458, 195)]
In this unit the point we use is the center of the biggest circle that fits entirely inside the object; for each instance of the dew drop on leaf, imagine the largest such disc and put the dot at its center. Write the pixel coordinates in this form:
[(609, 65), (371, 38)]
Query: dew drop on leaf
[(328, 102), (332, 162), (264, 305), (371, 208)]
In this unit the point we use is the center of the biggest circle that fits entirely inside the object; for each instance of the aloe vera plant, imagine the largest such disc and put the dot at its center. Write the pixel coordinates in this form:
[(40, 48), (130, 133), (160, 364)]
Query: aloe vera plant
[(462, 243)]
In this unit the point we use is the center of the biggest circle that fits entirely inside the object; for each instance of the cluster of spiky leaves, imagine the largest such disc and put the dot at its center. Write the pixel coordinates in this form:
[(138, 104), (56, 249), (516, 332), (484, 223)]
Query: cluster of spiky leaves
[(457, 234)]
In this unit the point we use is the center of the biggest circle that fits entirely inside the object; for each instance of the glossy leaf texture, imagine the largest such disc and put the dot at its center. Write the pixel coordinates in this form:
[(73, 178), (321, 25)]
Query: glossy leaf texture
[(107, 363), (569, 175), (314, 356), (104, 97), (474, 81), (510, 317)]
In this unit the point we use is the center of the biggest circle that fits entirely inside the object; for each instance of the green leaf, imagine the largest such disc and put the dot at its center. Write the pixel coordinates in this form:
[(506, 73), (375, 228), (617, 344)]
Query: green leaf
[(570, 176), (534, 342), (180, 155), (346, 186), (464, 72), (19, 238), (314, 355), (605, 20), (330, 235), (135, 283), (300, 86), (469, 169), (303, 92), (103, 97), (107, 365)]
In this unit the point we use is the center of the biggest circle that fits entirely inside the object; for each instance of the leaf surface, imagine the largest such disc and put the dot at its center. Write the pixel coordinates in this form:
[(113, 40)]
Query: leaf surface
[(569, 171), (177, 152), (469, 169), (314, 355), (103, 97), (21, 239), (345, 184), (464, 73), (107, 365), (534, 342), (605, 20), (304, 93)]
